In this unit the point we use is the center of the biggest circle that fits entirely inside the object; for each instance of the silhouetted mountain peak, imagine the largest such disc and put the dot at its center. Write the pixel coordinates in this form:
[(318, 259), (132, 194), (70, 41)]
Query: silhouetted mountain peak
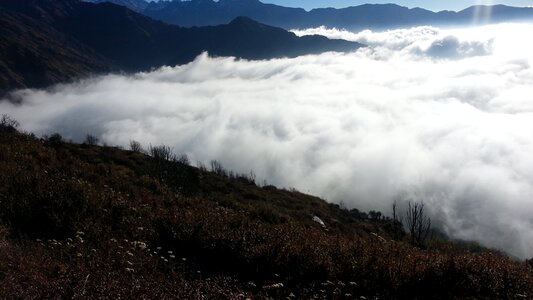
[(241, 20), (244, 26)]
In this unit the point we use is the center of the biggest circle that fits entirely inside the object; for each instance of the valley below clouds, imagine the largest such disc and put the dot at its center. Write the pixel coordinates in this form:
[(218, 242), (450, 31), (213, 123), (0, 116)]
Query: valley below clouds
[(443, 116)]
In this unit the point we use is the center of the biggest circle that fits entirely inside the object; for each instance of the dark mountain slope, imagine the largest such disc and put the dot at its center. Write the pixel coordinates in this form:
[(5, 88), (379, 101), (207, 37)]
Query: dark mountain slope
[(373, 16), (83, 221), (90, 38), (132, 41), (35, 54), (136, 42), (42, 10), (237, 37)]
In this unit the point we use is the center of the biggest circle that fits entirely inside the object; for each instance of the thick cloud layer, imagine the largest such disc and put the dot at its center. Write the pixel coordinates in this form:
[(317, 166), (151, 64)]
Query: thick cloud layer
[(420, 41), (406, 119)]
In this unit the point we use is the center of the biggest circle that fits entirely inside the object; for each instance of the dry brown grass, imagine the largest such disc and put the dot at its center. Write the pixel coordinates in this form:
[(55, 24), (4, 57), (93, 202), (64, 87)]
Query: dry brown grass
[(98, 222)]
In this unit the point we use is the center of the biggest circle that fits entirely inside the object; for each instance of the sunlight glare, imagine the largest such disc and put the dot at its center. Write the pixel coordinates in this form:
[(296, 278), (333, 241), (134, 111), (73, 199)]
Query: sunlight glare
[(482, 12)]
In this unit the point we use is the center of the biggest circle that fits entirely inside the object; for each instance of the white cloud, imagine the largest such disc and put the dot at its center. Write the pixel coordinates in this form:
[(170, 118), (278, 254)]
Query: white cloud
[(418, 41), (364, 128)]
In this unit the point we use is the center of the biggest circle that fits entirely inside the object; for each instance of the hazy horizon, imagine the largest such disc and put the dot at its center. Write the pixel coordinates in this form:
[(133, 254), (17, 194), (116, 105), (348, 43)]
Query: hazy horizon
[(454, 5)]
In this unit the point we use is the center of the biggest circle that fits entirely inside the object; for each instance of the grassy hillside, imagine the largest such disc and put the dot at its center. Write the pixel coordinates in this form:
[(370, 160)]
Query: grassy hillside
[(35, 54), (90, 221)]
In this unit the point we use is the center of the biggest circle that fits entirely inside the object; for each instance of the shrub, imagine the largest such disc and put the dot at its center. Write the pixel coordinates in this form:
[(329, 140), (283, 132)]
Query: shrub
[(374, 215), (217, 168), (91, 140), (8, 124), (55, 139), (418, 223), (184, 159), (135, 146), (162, 153)]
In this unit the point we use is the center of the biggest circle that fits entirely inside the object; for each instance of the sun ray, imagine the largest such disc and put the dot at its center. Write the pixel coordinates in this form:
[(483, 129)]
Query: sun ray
[(482, 12)]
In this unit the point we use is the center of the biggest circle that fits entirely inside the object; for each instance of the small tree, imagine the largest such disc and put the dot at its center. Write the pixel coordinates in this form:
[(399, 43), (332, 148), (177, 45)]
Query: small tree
[(184, 159), (8, 124), (374, 215), (55, 139), (251, 176), (217, 168), (395, 216), (91, 140), (201, 166), (418, 223), (530, 262), (162, 162), (396, 225), (136, 146), (162, 153)]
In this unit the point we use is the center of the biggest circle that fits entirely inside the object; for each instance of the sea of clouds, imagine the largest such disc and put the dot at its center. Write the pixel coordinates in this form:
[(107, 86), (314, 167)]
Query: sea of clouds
[(422, 114)]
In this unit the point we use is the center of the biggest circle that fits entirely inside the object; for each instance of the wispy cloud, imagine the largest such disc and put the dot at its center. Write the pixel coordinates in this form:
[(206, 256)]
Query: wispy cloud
[(394, 121)]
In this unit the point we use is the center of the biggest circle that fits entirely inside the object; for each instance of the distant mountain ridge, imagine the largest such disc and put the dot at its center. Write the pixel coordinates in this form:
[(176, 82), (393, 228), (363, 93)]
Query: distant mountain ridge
[(135, 5), (372, 16), (48, 41)]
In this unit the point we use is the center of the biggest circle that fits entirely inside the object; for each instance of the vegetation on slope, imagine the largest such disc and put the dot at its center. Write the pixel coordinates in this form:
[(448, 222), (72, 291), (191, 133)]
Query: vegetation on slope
[(91, 221)]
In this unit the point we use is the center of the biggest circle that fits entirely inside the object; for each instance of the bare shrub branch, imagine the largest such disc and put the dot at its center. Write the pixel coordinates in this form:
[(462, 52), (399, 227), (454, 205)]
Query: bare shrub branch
[(418, 223)]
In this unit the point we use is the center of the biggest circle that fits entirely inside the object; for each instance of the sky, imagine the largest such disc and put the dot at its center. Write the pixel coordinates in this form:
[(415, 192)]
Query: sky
[(423, 114), (431, 5)]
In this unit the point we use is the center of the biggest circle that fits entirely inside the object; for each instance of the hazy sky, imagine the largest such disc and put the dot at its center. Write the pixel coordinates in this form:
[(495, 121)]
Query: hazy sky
[(431, 5)]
